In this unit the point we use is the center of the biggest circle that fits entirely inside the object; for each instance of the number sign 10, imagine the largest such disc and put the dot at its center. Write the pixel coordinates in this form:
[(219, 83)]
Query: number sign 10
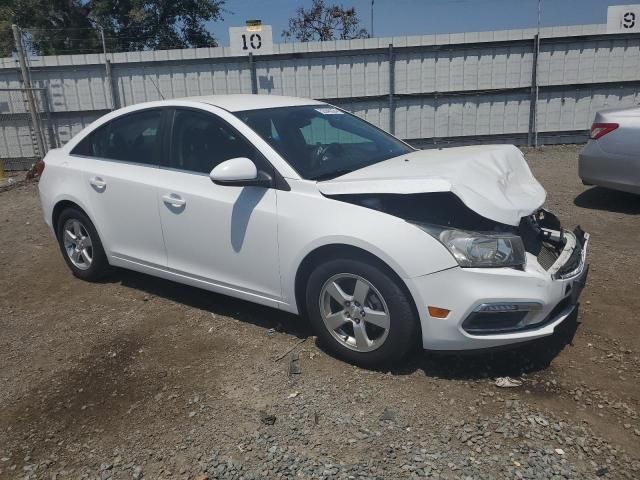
[(254, 41)]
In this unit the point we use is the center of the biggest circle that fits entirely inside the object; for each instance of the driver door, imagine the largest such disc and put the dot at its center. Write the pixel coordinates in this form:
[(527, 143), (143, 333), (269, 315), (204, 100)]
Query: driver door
[(222, 237)]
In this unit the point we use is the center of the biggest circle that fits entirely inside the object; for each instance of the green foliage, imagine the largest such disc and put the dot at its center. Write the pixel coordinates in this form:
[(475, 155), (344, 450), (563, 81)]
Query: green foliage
[(6, 37), (72, 26), (324, 22), (157, 24)]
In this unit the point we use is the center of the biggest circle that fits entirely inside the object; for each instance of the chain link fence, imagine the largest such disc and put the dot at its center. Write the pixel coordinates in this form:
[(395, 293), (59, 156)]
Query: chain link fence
[(19, 146)]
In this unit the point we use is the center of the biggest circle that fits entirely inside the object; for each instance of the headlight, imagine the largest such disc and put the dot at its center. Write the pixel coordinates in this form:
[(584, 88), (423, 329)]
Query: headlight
[(472, 249)]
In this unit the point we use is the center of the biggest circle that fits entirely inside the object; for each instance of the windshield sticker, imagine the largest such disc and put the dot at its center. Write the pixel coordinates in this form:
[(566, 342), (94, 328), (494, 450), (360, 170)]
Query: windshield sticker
[(329, 111)]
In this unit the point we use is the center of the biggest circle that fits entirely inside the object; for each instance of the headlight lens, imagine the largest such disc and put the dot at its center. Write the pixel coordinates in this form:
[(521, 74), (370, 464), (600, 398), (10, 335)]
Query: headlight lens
[(472, 249)]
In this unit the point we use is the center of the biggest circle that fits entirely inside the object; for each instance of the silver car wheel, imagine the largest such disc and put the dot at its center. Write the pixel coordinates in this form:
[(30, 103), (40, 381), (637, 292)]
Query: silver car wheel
[(354, 312), (77, 243)]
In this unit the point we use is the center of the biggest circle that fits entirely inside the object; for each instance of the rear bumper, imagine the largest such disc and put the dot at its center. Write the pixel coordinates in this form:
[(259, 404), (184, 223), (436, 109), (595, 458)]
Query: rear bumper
[(550, 299), (597, 167)]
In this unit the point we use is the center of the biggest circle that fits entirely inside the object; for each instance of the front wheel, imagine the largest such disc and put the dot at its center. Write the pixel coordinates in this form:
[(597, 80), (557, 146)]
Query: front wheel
[(360, 312)]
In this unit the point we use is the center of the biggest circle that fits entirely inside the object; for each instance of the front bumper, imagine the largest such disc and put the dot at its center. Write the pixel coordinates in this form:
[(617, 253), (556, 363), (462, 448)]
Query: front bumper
[(464, 291)]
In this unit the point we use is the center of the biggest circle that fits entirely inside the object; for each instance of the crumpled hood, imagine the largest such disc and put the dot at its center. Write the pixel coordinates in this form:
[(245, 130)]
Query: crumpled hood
[(492, 180)]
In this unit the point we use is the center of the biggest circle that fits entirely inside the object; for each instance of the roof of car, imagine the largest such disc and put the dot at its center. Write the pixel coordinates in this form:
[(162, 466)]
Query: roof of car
[(239, 102)]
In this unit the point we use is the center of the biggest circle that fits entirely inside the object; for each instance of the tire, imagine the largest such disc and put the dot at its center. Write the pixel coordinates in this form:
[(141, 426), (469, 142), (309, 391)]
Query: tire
[(87, 259), (377, 348)]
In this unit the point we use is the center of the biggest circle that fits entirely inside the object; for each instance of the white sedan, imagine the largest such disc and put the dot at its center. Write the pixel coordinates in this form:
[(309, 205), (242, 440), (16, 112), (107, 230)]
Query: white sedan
[(301, 206)]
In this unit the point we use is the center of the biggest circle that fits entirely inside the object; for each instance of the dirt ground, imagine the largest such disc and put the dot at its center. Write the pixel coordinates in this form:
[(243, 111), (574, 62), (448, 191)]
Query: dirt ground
[(140, 377)]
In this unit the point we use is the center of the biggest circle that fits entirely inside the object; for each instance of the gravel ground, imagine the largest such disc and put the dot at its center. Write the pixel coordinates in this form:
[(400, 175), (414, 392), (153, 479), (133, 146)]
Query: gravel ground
[(137, 377)]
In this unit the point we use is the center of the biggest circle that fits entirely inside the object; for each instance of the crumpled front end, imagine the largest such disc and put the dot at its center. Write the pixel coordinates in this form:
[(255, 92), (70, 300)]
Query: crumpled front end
[(561, 253), (492, 180), (490, 307), (519, 272)]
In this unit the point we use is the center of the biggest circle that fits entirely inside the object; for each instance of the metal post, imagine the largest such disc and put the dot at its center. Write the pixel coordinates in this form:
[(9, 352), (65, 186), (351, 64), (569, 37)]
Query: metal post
[(52, 135), (532, 139), (111, 86), (108, 73), (537, 96), (252, 69), (535, 76), (26, 79), (372, 18), (392, 89)]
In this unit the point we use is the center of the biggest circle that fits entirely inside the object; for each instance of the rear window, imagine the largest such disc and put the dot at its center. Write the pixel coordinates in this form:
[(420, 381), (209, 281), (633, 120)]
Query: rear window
[(131, 138)]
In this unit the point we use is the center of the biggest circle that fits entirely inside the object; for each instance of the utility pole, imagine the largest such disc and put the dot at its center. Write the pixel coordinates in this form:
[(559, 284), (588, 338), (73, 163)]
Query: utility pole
[(26, 79), (537, 88), (107, 68), (372, 17)]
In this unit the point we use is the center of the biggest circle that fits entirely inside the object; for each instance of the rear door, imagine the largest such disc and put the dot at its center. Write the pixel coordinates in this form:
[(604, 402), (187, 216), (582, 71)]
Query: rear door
[(226, 236), (120, 163)]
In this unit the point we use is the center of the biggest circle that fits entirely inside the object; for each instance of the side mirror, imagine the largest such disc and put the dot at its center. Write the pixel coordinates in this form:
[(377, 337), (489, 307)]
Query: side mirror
[(239, 172)]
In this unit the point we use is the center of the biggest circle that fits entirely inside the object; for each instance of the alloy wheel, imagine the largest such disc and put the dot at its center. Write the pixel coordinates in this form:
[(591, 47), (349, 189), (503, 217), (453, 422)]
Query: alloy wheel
[(78, 244), (354, 312)]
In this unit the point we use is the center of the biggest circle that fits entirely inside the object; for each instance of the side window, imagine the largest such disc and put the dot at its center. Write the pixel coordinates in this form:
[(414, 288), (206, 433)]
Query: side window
[(132, 138), (200, 141)]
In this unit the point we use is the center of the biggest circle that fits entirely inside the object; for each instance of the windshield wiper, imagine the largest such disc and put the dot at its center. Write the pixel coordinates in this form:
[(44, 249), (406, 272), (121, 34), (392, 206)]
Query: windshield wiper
[(334, 174)]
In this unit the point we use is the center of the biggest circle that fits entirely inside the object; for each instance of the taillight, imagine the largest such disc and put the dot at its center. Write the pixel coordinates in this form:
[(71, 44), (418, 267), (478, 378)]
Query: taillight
[(36, 170), (601, 129)]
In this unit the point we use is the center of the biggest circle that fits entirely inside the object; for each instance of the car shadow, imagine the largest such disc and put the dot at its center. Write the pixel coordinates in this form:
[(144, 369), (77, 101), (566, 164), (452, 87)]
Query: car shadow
[(243, 207), (511, 361), (514, 361), (600, 198), (215, 303)]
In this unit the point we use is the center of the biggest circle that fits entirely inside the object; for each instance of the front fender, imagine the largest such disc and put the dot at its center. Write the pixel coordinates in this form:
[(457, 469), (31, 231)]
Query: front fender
[(308, 221)]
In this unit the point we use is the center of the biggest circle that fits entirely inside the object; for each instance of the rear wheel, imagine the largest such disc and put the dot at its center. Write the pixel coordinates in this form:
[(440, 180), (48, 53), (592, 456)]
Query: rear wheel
[(360, 312), (81, 246)]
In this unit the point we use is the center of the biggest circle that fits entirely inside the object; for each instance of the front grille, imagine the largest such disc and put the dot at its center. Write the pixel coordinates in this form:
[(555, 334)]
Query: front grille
[(536, 242), (547, 256), (484, 323), (487, 323)]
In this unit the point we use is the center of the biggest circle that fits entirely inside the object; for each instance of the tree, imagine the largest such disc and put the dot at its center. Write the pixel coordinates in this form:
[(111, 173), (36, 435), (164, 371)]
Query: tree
[(52, 26), (6, 36), (72, 26), (324, 22), (157, 24)]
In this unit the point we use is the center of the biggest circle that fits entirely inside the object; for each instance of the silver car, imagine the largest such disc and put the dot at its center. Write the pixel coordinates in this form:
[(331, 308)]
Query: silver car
[(611, 158)]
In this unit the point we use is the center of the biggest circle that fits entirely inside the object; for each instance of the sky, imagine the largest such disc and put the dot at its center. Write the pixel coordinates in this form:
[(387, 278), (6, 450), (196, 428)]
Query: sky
[(418, 17)]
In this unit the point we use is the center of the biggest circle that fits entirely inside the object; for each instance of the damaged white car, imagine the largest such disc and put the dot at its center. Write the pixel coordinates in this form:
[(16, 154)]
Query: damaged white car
[(301, 206)]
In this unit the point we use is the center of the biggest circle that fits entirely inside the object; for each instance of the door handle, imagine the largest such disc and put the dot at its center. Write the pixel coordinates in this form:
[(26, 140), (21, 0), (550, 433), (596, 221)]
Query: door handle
[(97, 182), (174, 200)]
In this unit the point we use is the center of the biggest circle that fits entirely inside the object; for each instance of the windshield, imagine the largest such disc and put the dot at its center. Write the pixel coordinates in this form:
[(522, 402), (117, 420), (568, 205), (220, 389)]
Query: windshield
[(322, 142)]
